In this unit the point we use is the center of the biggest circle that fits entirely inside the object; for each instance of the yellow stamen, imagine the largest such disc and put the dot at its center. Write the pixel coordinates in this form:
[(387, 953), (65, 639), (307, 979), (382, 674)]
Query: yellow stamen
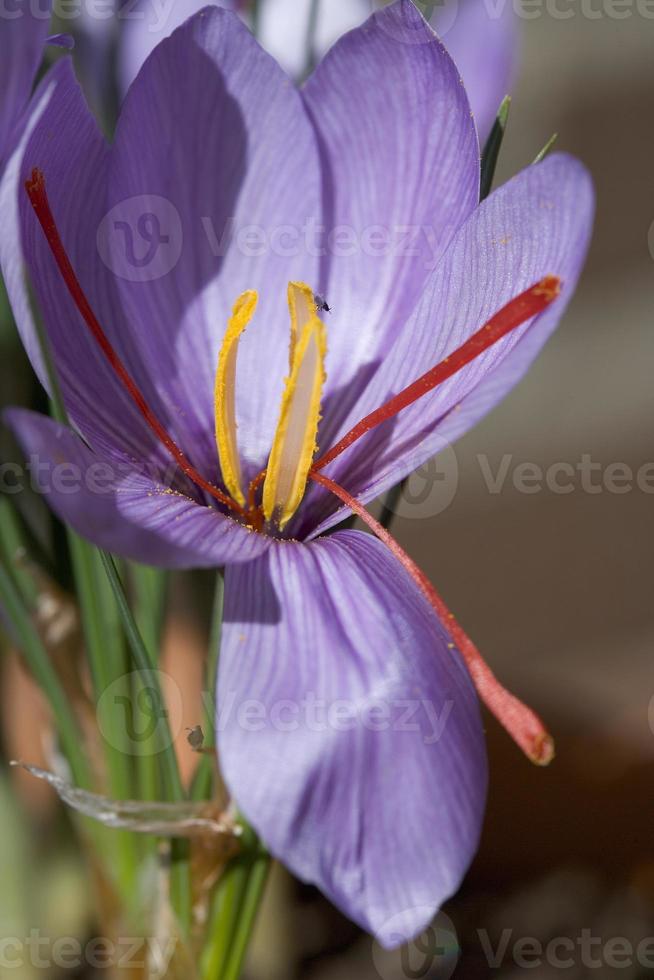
[(225, 395), (294, 445), (302, 307)]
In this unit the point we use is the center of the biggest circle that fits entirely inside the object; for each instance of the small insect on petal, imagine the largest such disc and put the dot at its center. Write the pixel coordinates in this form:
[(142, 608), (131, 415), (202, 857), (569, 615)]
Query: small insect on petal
[(195, 738)]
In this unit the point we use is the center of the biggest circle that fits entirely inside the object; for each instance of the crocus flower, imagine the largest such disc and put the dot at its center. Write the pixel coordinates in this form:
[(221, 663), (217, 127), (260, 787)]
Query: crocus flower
[(347, 722), (481, 38)]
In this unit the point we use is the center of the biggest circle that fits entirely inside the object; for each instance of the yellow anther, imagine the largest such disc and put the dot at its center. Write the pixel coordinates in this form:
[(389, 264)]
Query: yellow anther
[(225, 395), (294, 445), (302, 307)]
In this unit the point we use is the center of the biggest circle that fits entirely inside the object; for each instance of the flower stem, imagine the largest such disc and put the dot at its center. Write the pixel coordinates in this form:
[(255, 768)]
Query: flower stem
[(252, 896), (310, 41), (255, 18), (236, 904), (202, 786), (150, 587), (239, 891), (106, 656), (144, 661)]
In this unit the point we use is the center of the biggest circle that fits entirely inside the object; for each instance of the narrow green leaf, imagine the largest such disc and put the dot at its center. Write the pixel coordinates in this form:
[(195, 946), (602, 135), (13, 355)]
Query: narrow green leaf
[(150, 591), (202, 786), (391, 502), (492, 149), (12, 545), (146, 663), (547, 148)]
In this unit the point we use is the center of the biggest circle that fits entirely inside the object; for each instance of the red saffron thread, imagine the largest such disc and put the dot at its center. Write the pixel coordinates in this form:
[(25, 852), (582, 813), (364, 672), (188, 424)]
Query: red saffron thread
[(36, 191), (255, 511), (523, 725), (528, 304)]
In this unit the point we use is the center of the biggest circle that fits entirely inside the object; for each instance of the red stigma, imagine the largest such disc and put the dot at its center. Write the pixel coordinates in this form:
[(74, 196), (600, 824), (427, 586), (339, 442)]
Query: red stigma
[(523, 725), (525, 306), (36, 191)]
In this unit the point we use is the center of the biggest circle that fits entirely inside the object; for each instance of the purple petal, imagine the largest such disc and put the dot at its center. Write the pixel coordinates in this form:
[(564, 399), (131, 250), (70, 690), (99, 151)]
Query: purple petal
[(483, 40), (214, 138), (401, 172), (349, 731), (125, 511), (23, 30), (537, 224), (62, 139), (144, 25)]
